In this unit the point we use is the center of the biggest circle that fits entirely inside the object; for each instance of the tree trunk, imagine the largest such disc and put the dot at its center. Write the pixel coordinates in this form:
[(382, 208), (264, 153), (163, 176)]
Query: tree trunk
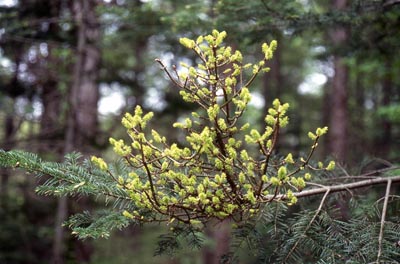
[(326, 115), (51, 98), (219, 233), (338, 141), (83, 98), (13, 90), (358, 136), (338, 96), (339, 113), (272, 81), (9, 132), (86, 71), (385, 138)]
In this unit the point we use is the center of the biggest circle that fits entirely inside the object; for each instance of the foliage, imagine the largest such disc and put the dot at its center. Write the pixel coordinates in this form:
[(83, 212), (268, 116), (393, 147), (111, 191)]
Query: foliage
[(391, 112), (304, 238), (223, 170), (212, 175)]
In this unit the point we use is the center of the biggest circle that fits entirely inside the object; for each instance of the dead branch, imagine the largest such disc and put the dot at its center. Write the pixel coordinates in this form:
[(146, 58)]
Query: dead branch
[(384, 209), (327, 191), (338, 187)]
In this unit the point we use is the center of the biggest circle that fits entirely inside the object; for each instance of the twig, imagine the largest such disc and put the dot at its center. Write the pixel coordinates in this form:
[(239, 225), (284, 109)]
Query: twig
[(391, 3), (390, 196), (344, 171), (336, 188), (384, 209), (327, 191), (164, 68)]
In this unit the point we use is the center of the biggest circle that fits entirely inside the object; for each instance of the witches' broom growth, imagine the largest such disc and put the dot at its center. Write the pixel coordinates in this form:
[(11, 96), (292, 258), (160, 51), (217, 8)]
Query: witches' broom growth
[(210, 176), (216, 175)]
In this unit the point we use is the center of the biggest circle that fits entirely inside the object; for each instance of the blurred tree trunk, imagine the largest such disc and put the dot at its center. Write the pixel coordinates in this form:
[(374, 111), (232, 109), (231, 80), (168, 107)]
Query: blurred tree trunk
[(326, 115), (9, 132), (384, 140), (86, 71), (51, 98), (140, 48), (50, 94), (219, 233), (338, 141), (273, 80), (358, 135), (83, 98), (10, 128)]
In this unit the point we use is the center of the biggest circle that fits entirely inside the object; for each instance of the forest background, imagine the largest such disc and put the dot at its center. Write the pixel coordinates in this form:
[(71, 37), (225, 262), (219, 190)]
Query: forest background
[(69, 69)]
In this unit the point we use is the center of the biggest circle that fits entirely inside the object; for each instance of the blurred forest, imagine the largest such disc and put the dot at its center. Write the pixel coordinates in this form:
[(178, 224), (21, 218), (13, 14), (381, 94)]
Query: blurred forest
[(69, 69)]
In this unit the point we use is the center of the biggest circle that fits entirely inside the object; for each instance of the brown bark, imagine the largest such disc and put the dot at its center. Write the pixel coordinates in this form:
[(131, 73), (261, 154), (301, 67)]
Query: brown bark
[(339, 113), (10, 128), (50, 127), (385, 139), (59, 236), (220, 235), (86, 69), (51, 108), (338, 141), (273, 83), (9, 132), (358, 136), (344, 187), (83, 98)]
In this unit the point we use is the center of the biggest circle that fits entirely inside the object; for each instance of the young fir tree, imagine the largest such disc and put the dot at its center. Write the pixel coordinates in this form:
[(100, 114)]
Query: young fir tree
[(215, 176)]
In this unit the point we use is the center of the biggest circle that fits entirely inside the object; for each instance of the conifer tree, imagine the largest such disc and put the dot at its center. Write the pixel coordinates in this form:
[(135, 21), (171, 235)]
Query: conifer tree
[(224, 170)]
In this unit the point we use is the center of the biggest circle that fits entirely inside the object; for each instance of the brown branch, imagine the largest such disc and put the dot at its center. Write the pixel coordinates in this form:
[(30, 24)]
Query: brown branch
[(384, 209), (307, 160), (253, 77), (149, 174), (164, 68), (327, 191), (337, 188), (391, 3)]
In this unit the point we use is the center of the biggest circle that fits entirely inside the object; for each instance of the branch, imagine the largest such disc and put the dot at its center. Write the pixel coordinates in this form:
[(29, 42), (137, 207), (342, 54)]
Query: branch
[(391, 3), (384, 209), (336, 188), (164, 68), (327, 191)]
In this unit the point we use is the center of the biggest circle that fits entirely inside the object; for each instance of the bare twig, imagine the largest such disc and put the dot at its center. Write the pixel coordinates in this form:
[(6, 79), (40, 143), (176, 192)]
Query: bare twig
[(164, 68), (391, 3), (342, 169), (327, 191), (336, 188), (390, 196), (384, 209)]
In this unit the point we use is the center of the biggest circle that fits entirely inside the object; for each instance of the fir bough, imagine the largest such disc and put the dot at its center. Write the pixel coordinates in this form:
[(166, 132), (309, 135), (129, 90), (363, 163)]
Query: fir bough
[(214, 177)]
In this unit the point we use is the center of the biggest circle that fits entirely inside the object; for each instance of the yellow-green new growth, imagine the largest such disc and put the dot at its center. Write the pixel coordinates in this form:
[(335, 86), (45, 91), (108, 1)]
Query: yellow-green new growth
[(100, 163), (211, 175)]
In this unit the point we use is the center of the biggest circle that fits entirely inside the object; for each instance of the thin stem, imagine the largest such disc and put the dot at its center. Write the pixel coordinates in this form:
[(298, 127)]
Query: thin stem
[(309, 224), (253, 77), (149, 174), (307, 160), (385, 203), (337, 188), (274, 141), (164, 68)]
